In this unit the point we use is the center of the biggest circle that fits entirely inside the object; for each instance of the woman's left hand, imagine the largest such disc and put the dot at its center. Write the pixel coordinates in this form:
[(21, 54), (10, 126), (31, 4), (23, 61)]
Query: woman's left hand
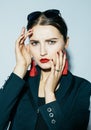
[(54, 76)]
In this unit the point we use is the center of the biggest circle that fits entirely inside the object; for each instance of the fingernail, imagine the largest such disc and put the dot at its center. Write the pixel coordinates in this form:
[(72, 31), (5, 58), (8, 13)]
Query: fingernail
[(52, 61), (63, 52), (58, 53), (30, 30)]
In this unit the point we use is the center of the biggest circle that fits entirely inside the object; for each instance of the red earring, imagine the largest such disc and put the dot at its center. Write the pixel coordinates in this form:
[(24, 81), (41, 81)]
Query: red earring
[(33, 70), (65, 70)]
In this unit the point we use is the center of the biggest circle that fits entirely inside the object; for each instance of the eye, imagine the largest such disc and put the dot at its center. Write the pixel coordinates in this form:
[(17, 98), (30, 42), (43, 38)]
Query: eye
[(51, 42), (34, 43)]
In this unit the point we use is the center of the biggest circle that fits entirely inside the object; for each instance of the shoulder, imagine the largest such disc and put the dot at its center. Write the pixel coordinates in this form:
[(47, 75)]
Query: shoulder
[(81, 83), (82, 91)]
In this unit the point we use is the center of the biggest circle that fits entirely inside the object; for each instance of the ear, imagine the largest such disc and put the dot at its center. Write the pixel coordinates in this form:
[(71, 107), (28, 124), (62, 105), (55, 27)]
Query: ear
[(67, 43)]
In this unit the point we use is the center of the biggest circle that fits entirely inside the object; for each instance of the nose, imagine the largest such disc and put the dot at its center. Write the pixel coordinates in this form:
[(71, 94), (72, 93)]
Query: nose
[(43, 50)]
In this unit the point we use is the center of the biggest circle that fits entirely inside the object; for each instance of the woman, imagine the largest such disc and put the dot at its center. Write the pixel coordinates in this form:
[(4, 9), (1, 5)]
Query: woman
[(48, 96)]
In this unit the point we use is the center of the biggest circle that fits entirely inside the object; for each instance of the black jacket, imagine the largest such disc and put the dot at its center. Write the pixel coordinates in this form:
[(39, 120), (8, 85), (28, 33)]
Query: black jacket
[(19, 104)]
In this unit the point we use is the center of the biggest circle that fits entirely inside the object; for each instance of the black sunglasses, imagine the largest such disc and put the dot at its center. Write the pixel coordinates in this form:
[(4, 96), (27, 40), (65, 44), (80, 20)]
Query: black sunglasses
[(48, 13)]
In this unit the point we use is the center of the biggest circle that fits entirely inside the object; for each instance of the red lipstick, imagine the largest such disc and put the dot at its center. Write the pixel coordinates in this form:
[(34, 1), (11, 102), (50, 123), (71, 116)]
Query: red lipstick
[(44, 60)]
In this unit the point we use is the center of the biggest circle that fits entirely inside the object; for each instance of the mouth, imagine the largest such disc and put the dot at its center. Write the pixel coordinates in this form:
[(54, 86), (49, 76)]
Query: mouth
[(45, 60)]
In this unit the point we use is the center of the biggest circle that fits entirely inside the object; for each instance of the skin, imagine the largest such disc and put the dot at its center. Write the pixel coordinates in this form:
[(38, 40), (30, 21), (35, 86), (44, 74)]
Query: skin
[(45, 42)]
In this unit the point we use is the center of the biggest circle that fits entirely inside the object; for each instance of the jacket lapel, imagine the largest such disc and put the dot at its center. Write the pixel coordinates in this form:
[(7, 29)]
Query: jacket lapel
[(33, 88)]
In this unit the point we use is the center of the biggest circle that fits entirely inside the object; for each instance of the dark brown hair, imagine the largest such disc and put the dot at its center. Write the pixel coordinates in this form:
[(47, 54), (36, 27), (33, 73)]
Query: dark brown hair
[(49, 17)]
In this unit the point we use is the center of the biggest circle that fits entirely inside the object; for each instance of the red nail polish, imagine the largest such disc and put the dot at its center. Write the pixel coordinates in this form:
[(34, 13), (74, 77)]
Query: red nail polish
[(62, 51), (52, 61), (30, 30), (58, 53)]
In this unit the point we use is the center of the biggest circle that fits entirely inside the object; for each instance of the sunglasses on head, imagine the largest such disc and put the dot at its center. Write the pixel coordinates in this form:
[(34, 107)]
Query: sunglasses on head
[(48, 13)]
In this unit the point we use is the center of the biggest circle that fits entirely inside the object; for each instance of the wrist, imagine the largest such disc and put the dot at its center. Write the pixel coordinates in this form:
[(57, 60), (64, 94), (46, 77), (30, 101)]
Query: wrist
[(49, 97), (20, 70)]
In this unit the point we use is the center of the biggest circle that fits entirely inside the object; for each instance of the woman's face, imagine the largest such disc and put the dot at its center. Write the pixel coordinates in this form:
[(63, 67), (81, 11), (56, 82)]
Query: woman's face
[(45, 42)]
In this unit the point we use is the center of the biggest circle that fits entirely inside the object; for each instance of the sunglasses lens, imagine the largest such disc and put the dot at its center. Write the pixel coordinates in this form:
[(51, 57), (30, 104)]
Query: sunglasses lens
[(33, 15), (48, 13), (52, 13)]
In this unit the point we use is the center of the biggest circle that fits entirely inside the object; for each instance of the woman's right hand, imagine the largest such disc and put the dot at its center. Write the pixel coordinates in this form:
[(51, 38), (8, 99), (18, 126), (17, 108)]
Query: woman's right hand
[(22, 52)]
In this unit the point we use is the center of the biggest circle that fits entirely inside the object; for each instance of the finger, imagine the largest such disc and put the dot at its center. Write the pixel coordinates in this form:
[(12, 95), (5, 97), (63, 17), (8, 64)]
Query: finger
[(52, 66), (28, 48), (28, 33), (57, 61), (27, 37), (57, 67), (59, 64), (22, 31), (22, 40), (24, 50), (61, 58), (26, 53), (23, 36), (19, 45), (19, 41)]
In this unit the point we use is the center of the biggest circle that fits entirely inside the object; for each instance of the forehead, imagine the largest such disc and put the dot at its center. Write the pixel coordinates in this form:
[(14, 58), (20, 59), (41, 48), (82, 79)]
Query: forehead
[(45, 31)]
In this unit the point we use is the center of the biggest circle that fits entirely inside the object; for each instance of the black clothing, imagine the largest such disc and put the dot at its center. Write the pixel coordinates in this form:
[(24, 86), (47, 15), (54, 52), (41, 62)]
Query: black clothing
[(19, 104)]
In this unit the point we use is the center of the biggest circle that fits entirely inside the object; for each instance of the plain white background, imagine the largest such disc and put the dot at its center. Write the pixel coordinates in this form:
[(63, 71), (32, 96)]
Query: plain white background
[(77, 14)]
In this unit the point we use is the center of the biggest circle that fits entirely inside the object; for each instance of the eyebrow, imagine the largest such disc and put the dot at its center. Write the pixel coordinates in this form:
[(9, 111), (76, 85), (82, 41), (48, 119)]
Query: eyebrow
[(34, 40), (51, 39), (45, 40)]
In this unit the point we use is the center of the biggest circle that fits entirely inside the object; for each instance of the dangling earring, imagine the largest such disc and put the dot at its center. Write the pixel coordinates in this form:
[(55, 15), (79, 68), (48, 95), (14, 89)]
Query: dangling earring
[(33, 70), (65, 70)]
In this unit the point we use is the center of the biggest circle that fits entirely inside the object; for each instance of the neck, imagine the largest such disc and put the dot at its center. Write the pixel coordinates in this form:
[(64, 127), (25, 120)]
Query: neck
[(45, 74)]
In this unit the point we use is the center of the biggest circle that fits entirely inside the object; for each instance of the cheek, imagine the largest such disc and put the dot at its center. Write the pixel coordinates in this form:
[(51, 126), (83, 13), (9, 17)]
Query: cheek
[(53, 52), (53, 55), (33, 51)]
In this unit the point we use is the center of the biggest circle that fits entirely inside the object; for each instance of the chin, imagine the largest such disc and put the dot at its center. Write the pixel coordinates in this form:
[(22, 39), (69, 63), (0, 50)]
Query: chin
[(45, 67)]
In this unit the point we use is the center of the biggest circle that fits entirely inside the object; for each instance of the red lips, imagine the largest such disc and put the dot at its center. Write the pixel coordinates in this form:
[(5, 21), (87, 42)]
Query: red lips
[(45, 60)]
